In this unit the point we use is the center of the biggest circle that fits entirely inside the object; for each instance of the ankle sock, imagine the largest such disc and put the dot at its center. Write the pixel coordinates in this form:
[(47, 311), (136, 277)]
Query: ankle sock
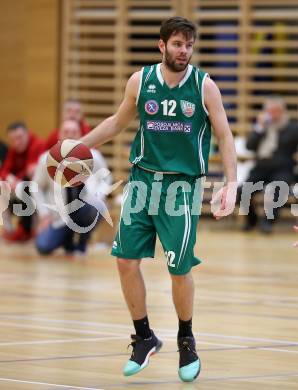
[(142, 328), (185, 328)]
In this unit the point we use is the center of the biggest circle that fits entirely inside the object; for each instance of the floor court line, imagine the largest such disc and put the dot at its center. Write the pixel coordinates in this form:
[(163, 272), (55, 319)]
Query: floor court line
[(166, 337), (245, 338), (210, 296), (111, 355), (234, 298), (88, 302), (104, 338), (49, 384), (251, 377), (64, 341), (114, 306), (120, 326), (200, 381), (278, 350), (63, 321), (65, 330), (248, 314)]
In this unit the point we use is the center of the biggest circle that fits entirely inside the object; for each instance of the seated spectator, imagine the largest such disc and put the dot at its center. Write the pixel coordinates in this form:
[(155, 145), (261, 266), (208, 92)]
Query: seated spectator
[(72, 110), (19, 165), (274, 139), (52, 231)]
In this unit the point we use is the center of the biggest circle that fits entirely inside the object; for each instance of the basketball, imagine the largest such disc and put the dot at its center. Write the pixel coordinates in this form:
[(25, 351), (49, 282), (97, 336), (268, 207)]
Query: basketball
[(69, 163)]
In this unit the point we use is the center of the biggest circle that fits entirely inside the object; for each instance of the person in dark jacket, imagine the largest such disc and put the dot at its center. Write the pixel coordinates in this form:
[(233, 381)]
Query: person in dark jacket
[(274, 139)]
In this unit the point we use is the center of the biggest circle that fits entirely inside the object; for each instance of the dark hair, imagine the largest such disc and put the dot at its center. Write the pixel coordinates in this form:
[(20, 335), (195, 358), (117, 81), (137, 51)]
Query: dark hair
[(176, 25), (15, 125)]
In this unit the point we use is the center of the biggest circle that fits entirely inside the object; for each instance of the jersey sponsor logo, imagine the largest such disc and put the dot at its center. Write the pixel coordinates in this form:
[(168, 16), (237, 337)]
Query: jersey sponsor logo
[(151, 107), (151, 88), (115, 245), (169, 126), (187, 108)]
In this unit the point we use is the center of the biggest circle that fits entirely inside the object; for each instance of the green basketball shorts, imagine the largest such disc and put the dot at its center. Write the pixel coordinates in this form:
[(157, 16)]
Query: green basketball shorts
[(167, 205)]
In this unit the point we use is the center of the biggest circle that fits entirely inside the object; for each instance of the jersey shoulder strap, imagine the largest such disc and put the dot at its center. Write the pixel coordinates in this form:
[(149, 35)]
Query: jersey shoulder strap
[(200, 78), (146, 72)]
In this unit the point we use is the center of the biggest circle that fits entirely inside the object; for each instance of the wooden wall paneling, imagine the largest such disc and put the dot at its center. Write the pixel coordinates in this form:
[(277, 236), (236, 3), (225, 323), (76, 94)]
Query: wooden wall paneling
[(272, 45), (89, 63), (29, 63), (183, 8), (12, 74), (66, 56), (42, 33), (243, 50), (220, 49), (120, 165)]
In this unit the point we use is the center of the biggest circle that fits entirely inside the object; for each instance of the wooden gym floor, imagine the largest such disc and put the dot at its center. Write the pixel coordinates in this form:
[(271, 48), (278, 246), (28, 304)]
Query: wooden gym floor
[(64, 325)]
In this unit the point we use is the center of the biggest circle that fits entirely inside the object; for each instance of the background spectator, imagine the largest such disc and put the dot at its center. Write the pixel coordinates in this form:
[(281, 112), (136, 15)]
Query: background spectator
[(19, 165), (274, 139), (52, 232), (72, 110)]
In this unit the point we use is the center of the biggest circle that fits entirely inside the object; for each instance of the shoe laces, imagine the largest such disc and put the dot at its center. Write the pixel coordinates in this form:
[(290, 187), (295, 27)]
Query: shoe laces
[(185, 347), (135, 340)]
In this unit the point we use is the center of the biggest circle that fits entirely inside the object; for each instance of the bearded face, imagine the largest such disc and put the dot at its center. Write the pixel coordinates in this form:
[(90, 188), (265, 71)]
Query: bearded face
[(177, 52)]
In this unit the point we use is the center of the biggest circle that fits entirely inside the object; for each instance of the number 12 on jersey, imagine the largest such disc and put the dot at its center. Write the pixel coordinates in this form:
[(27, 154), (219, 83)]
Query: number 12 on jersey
[(169, 107)]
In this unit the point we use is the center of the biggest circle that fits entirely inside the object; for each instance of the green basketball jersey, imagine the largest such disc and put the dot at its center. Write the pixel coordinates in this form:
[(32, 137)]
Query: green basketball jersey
[(174, 132)]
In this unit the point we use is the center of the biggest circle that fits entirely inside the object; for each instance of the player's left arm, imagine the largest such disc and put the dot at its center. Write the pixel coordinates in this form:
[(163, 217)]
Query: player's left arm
[(218, 118)]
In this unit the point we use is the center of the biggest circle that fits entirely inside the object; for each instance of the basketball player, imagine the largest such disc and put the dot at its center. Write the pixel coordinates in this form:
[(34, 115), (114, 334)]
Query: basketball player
[(177, 103)]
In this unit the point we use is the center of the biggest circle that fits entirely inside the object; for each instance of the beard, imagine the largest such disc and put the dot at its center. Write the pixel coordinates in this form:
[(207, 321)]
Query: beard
[(173, 65)]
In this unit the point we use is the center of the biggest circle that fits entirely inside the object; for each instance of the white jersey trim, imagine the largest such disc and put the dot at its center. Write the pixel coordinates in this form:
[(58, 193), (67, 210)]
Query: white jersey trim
[(186, 76), (187, 228), (202, 93), (159, 75), (140, 86), (182, 82), (149, 74), (139, 158), (197, 78), (125, 195), (200, 138)]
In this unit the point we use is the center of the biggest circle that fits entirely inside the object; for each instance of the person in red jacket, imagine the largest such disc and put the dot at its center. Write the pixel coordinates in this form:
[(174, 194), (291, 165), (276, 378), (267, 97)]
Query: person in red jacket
[(72, 110), (19, 165)]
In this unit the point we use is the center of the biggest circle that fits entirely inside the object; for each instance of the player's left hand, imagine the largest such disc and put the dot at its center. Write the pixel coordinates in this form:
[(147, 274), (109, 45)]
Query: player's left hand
[(223, 201)]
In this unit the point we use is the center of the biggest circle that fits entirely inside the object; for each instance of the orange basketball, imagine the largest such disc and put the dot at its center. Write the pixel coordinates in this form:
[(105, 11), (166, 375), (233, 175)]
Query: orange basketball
[(69, 163)]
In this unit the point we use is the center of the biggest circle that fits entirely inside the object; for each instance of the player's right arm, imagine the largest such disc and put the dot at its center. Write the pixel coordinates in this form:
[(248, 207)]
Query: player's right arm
[(126, 112)]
